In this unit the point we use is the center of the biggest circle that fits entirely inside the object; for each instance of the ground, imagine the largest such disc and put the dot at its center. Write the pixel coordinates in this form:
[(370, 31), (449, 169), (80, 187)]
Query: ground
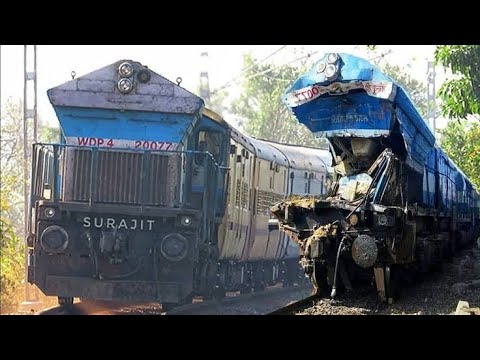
[(436, 294)]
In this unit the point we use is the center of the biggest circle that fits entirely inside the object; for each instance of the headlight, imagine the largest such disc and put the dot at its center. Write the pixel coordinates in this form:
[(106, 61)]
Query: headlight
[(54, 239), (49, 212), (353, 219), (144, 76), (331, 71), (332, 58), (125, 86), (174, 247), (382, 220), (321, 67), (186, 220), (125, 69)]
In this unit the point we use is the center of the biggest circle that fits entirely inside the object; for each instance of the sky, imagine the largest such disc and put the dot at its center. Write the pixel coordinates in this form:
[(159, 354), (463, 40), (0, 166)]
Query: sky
[(55, 64)]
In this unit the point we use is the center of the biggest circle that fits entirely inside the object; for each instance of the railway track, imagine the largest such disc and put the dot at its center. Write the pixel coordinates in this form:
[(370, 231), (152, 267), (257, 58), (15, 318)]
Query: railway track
[(261, 303), (295, 306)]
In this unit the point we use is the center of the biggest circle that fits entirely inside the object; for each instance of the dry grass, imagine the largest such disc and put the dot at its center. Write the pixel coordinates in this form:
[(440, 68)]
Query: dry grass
[(13, 304)]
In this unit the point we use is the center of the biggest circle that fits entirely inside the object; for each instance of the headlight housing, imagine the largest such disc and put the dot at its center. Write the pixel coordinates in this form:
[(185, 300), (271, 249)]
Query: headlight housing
[(382, 220), (332, 58), (125, 86), (186, 220), (331, 72), (174, 247), (49, 212), (125, 69), (54, 239)]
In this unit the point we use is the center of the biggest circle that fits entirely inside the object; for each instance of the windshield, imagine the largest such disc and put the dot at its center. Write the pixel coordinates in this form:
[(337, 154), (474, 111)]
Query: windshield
[(352, 187)]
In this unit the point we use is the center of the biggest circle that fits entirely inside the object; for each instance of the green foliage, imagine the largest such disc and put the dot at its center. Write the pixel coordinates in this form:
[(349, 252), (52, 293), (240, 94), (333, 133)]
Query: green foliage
[(260, 104), (11, 261), (461, 142), (49, 134), (461, 95), (416, 89), (11, 157)]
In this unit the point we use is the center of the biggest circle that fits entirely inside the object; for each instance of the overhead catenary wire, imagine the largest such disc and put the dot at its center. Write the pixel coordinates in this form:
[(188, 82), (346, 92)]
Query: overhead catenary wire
[(278, 66), (270, 69), (248, 68)]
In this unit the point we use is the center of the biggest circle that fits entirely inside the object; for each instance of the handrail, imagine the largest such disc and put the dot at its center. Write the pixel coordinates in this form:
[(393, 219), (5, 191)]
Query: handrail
[(57, 150)]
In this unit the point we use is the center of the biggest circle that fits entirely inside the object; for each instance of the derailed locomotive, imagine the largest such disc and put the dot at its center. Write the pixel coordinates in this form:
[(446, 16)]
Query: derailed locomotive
[(152, 197), (398, 205)]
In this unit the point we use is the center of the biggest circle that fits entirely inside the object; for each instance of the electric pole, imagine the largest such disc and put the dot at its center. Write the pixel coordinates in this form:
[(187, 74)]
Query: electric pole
[(431, 104), (0, 85), (29, 78), (204, 81)]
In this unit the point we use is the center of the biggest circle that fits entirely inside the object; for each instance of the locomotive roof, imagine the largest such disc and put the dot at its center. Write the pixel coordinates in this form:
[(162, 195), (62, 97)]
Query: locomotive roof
[(346, 96), (301, 157), (266, 151), (215, 117), (150, 91)]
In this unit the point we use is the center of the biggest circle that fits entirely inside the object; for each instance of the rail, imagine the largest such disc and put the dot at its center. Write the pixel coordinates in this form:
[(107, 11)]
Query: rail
[(295, 306)]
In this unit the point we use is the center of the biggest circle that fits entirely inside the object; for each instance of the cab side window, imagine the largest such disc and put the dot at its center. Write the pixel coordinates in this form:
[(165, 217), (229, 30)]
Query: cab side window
[(210, 141)]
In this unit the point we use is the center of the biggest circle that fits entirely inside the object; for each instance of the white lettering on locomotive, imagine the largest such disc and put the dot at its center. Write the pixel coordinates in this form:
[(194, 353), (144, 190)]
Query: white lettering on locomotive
[(111, 223)]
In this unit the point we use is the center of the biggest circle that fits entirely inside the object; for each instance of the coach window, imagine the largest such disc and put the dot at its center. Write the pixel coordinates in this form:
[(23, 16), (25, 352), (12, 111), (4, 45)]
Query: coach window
[(210, 141)]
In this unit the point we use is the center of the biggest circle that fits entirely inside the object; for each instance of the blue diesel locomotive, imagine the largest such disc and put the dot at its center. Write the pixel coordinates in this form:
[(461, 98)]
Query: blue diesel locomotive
[(152, 197), (398, 205)]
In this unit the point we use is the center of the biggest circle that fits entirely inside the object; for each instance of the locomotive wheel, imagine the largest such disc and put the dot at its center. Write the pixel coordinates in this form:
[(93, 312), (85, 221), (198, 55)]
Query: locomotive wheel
[(319, 279)]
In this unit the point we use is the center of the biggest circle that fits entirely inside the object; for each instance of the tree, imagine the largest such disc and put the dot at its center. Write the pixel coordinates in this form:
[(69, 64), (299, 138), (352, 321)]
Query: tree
[(461, 142), (49, 134), (12, 158), (11, 261), (460, 95), (416, 89), (12, 248), (260, 105)]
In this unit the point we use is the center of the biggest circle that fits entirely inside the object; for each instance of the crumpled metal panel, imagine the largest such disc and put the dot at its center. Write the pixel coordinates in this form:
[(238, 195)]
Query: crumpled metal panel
[(360, 116), (349, 105)]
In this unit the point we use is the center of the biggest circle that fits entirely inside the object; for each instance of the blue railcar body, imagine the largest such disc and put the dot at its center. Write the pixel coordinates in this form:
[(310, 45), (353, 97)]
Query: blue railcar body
[(372, 108), (80, 124), (399, 203)]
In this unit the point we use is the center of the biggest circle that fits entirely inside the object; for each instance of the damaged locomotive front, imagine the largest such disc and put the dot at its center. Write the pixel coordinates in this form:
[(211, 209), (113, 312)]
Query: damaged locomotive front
[(357, 226), (396, 206)]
